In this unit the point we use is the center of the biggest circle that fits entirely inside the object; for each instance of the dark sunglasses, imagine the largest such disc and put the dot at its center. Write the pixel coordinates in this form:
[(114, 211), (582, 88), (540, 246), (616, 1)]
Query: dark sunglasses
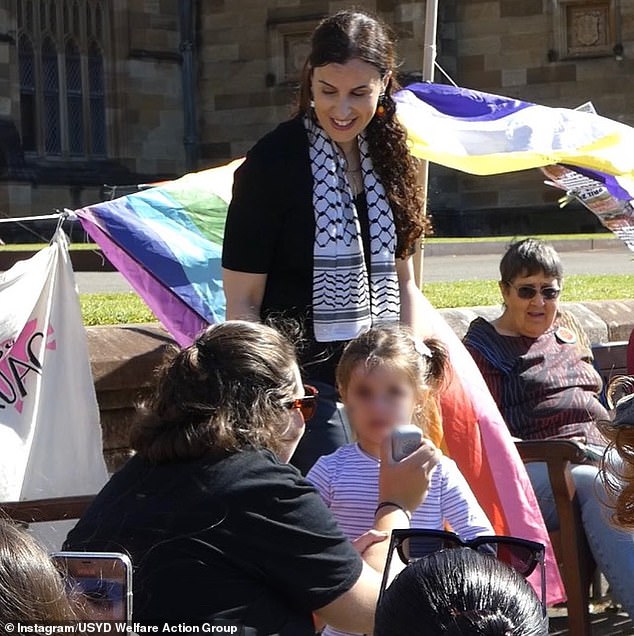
[(520, 554), (307, 405), (526, 292)]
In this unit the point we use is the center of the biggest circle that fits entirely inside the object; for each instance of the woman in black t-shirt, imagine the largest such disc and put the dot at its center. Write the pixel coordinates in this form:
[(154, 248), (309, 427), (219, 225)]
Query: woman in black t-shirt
[(217, 525), (326, 213)]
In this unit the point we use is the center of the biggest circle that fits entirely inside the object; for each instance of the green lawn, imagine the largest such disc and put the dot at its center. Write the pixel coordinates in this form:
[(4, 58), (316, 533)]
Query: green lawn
[(114, 309), (432, 239), (111, 309), (466, 293), (518, 237)]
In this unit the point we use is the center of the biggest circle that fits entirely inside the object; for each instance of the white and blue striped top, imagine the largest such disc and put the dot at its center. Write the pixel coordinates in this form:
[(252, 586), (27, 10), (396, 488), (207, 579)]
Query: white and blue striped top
[(348, 481)]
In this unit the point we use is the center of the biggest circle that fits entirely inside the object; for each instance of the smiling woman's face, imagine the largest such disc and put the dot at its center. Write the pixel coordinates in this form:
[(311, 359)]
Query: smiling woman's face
[(346, 96), (530, 316)]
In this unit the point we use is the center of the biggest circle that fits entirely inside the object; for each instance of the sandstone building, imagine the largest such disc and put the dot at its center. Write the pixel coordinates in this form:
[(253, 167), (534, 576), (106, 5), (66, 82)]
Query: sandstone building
[(116, 92)]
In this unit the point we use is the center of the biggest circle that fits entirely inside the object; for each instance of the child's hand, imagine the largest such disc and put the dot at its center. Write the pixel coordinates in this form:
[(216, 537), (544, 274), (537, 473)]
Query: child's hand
[(406, 482), (362, 543)]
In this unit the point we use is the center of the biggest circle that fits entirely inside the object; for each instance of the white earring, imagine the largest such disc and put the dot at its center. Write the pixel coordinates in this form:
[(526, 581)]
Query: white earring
[(312, 103)]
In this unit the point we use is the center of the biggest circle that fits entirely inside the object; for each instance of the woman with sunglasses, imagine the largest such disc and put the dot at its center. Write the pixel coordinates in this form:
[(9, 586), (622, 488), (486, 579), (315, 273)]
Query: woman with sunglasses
[(537, 363), (326, 213), (217, 524)]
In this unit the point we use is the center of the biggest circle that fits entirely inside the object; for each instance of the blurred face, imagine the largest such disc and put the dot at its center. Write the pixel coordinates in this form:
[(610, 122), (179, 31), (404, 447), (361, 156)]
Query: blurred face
[(378, 400), (531, 316), (346, 97)]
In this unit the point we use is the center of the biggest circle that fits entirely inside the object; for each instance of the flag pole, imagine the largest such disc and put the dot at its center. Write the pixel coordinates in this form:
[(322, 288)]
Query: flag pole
[(429, 60)]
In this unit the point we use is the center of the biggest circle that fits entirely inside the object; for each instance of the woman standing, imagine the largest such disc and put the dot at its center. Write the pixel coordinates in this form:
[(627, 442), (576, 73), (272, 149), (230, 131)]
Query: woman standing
[(326, 213), (537, 363)]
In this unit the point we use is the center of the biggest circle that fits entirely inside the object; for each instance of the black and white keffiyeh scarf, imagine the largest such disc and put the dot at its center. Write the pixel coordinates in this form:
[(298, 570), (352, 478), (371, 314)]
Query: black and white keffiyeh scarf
[(346, 302)]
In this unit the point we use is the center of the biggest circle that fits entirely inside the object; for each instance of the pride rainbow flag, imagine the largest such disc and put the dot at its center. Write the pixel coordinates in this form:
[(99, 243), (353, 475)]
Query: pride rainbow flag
[(167, 242)]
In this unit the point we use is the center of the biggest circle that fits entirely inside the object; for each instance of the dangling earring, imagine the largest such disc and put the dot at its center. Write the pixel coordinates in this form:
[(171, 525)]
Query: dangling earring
[(380, 108), (312, 103)]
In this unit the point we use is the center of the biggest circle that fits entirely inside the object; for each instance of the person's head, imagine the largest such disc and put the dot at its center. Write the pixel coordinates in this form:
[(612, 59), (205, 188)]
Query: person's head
[(531, 278), (232, 388), (347, 86), (386, 377), (617, 466), (460, 592), (350, 66), (31, 588)]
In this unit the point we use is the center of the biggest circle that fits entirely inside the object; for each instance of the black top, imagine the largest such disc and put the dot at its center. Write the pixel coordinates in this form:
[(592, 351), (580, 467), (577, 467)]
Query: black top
[(244, 538), (270, 230)]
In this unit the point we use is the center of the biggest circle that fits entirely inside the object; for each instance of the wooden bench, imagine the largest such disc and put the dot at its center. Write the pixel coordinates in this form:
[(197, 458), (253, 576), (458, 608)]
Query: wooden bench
[(54, 509), (610, 360)]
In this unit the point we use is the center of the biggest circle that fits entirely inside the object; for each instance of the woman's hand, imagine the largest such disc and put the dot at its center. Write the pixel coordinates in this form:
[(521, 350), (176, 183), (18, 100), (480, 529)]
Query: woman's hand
[(406, 482), (362, 543)]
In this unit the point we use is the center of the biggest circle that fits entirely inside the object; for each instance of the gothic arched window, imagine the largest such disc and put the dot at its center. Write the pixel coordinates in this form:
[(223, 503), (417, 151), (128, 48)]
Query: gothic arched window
[(62, 52)]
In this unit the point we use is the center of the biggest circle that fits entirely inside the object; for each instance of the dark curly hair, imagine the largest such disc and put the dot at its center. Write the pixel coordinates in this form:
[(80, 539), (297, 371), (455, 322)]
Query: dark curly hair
[(617, 464), (352, 34)]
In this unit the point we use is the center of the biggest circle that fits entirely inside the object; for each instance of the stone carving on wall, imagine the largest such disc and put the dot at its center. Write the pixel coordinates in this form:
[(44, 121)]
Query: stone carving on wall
[(289, 45), (586, 28)]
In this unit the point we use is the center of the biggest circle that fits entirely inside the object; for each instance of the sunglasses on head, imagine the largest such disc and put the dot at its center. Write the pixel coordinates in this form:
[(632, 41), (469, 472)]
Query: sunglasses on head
[(526, 292), (520, 554), (307, 405)]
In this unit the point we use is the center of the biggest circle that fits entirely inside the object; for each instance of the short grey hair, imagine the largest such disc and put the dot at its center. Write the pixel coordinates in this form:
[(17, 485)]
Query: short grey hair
[(530, 256)]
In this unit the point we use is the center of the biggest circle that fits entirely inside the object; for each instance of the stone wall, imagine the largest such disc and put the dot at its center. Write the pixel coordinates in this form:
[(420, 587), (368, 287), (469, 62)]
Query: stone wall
[(248, 55), (144, 113), (148, 107), (250, 58), (526, 49), (124, 358), (123, 361)]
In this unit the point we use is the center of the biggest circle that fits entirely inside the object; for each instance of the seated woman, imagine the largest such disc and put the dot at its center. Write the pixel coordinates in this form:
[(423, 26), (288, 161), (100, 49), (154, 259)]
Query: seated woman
[(537, 363), (460, 592), (31, 588), (217, 524)]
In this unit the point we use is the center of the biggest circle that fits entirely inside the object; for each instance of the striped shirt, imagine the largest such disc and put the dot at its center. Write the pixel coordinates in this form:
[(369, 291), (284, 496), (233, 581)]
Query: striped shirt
[(348, 481)]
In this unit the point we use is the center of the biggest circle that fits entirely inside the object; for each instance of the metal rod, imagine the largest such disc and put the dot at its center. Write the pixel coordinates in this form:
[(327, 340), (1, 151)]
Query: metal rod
[(429, 59), (41, 217), (188, 17)]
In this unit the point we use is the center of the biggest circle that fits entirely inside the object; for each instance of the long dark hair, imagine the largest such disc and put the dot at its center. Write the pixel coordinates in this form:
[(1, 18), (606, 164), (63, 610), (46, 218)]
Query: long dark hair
[(349, 35), (460, 592)]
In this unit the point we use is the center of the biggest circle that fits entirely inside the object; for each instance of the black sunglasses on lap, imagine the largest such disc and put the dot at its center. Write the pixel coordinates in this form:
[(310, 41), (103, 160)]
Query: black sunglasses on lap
[(522, 555)]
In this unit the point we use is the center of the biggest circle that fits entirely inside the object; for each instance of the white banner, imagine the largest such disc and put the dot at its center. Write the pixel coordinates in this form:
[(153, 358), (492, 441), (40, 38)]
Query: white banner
[(50, 437)]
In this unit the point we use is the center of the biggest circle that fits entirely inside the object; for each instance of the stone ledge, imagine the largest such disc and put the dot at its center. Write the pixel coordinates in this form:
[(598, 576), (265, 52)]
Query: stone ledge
[(603, 321), (124, 359)]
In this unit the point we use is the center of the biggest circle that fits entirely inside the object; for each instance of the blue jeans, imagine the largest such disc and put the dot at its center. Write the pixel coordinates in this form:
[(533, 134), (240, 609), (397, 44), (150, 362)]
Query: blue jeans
[(613, 549), (325, 432)]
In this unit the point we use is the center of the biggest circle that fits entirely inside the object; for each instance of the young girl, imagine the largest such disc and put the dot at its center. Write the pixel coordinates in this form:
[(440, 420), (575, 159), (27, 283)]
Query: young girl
[(386, 378)]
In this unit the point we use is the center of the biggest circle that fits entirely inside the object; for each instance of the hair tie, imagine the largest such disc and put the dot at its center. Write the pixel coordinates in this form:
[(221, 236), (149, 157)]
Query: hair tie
[(422, 349)]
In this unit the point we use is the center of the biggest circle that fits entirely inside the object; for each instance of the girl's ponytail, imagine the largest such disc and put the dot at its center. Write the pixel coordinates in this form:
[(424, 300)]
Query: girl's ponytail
[(438, 365)]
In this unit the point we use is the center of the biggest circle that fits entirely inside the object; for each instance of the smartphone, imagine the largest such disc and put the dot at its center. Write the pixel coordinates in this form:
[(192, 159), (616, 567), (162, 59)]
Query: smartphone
[(100, 581), (406, 438)]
